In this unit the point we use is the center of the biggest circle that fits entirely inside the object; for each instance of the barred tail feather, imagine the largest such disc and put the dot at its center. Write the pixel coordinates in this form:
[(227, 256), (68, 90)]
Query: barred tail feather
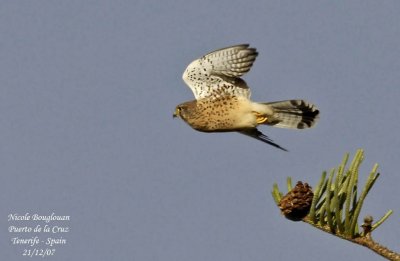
[(293, 114)]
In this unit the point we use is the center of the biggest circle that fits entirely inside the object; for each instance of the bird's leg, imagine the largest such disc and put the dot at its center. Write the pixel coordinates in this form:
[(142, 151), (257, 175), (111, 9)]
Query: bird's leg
[(260, 118)]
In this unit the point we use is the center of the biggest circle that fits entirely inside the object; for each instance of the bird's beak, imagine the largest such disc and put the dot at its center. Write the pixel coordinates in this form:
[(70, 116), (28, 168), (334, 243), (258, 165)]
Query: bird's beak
[(176, 114)]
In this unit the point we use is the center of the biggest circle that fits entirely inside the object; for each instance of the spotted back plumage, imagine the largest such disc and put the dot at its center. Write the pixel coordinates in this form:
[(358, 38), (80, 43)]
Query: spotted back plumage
[(218, 73)]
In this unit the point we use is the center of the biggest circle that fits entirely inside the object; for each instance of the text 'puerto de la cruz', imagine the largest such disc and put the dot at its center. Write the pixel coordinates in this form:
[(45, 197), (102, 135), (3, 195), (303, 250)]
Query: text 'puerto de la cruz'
[(38, 234)]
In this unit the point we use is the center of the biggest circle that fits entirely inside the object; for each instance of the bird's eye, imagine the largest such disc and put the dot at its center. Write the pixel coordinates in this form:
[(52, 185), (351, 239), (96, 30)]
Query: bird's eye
[(177, 112)]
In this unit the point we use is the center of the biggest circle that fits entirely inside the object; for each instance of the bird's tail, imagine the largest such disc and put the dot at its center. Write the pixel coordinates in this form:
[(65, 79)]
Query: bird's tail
[(293, 114)]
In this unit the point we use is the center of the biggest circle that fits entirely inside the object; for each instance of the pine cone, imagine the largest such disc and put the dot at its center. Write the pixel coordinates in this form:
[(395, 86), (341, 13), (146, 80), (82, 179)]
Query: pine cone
[(296, 204)]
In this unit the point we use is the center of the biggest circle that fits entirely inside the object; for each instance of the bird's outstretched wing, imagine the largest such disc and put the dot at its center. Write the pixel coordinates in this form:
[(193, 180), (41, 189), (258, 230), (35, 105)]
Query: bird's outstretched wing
[(254, 133), (218, 73)]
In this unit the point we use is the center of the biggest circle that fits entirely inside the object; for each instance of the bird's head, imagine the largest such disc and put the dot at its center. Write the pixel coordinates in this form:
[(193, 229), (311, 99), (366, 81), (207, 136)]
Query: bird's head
[(184, 110)]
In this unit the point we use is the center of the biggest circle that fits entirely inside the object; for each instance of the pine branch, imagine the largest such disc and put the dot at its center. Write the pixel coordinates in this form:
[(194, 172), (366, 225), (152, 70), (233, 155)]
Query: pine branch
[(334, 206)]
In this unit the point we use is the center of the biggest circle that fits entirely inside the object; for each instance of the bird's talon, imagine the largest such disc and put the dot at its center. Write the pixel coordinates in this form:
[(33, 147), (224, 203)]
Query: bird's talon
[(260, 118)]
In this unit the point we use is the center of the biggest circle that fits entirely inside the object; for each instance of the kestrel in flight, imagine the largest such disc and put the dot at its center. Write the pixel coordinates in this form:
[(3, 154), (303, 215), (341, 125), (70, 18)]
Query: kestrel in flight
[(223, 99)]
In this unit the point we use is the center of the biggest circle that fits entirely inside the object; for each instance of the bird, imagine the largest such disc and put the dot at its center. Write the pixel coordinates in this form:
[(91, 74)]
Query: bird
[(222, 98)]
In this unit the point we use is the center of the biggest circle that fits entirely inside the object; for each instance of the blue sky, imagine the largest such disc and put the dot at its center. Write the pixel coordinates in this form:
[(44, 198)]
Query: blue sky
[(87, 96)]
